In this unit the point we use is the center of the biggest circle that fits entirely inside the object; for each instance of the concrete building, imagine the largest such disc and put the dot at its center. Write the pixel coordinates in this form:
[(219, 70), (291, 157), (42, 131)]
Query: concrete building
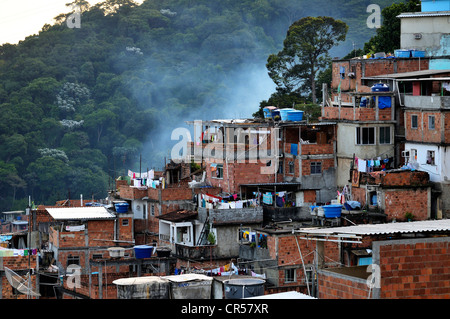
[(427, 30)]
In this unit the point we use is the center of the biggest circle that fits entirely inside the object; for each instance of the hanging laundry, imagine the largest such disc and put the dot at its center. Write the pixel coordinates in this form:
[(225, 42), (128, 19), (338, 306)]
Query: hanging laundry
[(362, 166), (267, 198)]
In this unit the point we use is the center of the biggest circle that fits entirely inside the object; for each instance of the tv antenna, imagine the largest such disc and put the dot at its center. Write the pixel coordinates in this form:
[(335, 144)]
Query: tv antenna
[(22, 285)]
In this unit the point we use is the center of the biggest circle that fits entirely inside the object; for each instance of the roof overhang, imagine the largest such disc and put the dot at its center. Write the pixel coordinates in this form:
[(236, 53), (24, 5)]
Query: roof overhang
[(80, 213), (355, 233)]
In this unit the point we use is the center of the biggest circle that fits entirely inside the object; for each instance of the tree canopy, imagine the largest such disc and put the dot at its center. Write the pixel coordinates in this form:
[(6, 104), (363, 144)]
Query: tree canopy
[(79, 105), (305, 53)]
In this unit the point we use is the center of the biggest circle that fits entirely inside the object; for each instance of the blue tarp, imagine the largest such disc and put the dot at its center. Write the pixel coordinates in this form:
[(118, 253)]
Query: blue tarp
[(384, 102), (294, 149)]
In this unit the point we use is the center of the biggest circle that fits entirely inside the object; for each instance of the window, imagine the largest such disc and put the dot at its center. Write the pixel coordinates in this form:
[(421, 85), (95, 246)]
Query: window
[(316, 168), (431, 125), (413, 155), (291, 168), (365, 135), (125, 222), (73, 260), (152, 210), (97, 256), (217, 170), (385, 135), (414, 121), (430, 157), (280, 167), (289, 275)]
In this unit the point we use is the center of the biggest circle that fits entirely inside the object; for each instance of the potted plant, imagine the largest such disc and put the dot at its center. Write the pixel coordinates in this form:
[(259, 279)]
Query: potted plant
[(409, 216)]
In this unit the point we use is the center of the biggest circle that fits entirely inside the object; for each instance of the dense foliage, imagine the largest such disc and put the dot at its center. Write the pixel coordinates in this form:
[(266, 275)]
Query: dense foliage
[(79, 105)]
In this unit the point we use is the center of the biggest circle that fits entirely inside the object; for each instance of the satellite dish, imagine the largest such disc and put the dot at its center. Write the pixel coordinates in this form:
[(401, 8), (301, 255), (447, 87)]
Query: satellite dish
[(23, 285)]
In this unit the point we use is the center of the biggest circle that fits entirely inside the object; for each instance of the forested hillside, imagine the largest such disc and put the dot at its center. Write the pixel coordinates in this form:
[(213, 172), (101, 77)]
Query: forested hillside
[(80, 105)]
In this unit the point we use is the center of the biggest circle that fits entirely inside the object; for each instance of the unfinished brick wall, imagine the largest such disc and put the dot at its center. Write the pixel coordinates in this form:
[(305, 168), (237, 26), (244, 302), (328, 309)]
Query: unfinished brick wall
[(288, 255), (399, 201), (415, 268), (336, 286), (129, 192), (423, 133), (327, 163), (16, 263)]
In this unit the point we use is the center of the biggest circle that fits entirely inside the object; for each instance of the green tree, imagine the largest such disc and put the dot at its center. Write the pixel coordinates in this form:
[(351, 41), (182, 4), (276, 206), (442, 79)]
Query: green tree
[(305, 52)]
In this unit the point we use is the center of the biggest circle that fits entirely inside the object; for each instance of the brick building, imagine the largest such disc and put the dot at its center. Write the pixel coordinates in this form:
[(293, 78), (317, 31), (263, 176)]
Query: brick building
[(408, 260), (287, 261), (395, 193)]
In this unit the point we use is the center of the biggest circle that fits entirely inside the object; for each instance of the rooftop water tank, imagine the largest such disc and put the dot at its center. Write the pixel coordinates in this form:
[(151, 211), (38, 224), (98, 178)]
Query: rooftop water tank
[(143, 251), (190, 286), (148, 287), (121, 207), (295, 115), (268, 111), (380, 87), (402, 53), (284, 113), (332, 211), (243, 288)]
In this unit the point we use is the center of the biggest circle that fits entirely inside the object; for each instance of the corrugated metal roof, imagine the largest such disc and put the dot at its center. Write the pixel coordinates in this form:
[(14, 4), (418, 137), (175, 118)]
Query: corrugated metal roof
[(424, 14), (382, 229), (70, 213)]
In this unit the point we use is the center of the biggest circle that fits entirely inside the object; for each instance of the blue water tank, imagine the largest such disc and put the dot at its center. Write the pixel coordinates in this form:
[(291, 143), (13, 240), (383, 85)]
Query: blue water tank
[(295, 115), (143, 251), (121, 207), (268, 111), (332, 211), (380, 87), (284, 113), (402, 53), (417, 53)]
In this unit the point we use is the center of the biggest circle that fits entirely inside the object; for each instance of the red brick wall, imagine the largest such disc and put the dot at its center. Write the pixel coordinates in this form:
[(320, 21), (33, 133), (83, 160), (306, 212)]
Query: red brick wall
[(332, 286), (289, 255), (400, 201), (422, 133), (326, 164), (416, 268), (131, 192), (239, 173), (372, 68), (16, 263)]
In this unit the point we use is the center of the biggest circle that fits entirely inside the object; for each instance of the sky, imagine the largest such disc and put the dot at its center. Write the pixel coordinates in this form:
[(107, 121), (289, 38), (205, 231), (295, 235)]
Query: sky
[(21, 18)]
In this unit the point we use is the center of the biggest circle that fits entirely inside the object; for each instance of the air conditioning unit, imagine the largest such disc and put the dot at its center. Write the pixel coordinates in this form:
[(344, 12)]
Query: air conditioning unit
[(406, 153)]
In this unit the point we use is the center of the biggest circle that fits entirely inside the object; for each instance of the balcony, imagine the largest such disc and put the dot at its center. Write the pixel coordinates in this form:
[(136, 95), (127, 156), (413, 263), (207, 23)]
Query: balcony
[(285, 213), (426, 102), (354, 112), (231, 216)]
